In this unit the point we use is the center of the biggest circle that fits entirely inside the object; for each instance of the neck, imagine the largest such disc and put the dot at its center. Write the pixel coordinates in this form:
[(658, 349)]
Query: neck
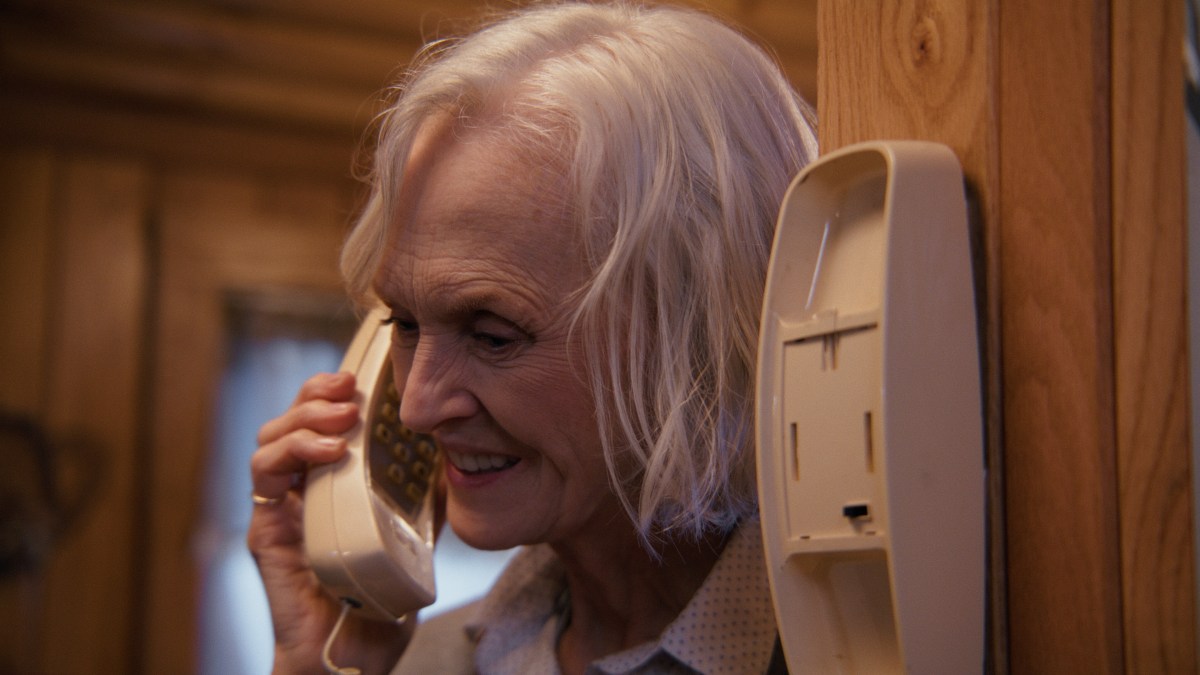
[(622, 595)]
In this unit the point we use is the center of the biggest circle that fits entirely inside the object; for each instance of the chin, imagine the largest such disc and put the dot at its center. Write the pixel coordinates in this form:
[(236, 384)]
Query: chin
[(483, 533)]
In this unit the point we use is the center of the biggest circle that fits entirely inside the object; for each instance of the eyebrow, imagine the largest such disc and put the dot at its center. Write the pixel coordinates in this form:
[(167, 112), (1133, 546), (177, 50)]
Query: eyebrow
[(473, 303), (462, 304)]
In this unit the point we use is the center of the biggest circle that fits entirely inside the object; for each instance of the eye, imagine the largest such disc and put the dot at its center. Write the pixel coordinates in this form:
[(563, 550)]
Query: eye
[(495, 335), (405, 331), (493, 342)]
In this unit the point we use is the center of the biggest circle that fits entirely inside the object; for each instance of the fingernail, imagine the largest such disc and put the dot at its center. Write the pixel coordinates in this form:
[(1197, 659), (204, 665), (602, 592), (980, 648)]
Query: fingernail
[(330, 442)]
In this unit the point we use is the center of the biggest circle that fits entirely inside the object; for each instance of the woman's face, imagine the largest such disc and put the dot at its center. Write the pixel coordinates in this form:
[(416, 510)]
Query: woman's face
[(478, 273)]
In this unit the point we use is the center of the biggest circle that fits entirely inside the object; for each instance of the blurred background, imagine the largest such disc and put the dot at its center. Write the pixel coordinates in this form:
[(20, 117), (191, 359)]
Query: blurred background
[(176, 177)]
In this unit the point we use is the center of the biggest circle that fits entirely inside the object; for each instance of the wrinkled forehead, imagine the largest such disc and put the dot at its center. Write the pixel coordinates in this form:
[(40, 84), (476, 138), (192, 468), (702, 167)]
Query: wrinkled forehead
[(476, 174), (470, 191)]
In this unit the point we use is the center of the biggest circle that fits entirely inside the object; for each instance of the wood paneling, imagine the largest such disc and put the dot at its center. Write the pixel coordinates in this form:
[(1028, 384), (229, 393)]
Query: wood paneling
[(316, 66), (26, 191), (1056, 302), (925, 71), (193, 56), (218, 235), (157, 156), (1150, 245), (96, 330), (75, 278), (46, 121), (1081, 197), (913, 70)]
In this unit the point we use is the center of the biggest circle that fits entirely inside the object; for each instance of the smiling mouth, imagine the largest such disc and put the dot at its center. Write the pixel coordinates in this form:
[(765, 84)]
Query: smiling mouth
[(475, 464)]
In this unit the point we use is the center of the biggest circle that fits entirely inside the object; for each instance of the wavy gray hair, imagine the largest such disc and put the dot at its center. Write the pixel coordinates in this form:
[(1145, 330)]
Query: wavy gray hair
[(679, 137)]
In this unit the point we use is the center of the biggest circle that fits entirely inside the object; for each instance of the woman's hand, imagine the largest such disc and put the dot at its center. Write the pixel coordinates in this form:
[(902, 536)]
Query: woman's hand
[(302, 613)]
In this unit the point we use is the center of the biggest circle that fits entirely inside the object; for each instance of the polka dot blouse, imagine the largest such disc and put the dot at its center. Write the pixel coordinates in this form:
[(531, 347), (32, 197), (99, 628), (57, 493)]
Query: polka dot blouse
[(728, 627)]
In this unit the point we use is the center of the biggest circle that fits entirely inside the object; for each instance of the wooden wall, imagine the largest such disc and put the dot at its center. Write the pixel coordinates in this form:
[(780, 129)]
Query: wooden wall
[(1068, 119), (156, 158)]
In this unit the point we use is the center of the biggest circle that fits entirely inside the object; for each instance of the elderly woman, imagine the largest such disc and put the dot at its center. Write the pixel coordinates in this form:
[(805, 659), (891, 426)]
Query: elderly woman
[(569, 224)]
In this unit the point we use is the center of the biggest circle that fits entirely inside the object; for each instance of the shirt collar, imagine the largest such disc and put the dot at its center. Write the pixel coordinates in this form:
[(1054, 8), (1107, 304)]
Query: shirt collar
[(727, 626), (516, 627)]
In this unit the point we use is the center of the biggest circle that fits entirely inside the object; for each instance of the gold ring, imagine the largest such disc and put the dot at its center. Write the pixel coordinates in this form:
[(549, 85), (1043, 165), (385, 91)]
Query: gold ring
[(260, 500)]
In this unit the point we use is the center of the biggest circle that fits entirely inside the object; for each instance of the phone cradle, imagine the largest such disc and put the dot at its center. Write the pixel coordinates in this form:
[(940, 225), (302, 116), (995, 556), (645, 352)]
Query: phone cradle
[(870, 450)]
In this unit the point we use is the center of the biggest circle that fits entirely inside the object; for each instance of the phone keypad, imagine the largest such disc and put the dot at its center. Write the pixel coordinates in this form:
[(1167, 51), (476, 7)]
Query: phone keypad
[(402, 462)]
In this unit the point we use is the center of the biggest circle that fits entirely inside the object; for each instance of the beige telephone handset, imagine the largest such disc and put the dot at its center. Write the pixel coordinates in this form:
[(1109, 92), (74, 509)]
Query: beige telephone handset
[(368, 518)]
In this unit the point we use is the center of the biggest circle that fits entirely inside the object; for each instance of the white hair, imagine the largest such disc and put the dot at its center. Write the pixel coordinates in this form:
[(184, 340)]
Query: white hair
[(679, 137)]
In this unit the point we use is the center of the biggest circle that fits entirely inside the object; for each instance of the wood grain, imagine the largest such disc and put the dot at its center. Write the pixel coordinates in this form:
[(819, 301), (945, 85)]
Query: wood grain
[(26, 235), (1150, 244), (95, 324), (1080, 208), (1063, 557), (925, 70), (312, 65), (219, 234), (917, 70), (26, 232)]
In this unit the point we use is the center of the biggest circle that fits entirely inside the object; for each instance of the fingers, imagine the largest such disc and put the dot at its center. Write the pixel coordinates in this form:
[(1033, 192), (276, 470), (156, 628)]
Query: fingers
[(328, 386), (274, 467), (323, 405), (320, 416), (306, 434)]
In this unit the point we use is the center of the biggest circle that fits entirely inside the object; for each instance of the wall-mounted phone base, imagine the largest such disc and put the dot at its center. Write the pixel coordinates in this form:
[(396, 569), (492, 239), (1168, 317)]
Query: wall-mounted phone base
[(870, 453)]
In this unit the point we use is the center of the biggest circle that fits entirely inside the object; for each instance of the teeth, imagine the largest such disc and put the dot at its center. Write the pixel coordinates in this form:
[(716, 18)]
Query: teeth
[(479, 463)]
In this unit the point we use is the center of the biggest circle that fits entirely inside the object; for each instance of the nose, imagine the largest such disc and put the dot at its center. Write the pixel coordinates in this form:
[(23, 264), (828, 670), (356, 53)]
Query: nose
[(432, 389)]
